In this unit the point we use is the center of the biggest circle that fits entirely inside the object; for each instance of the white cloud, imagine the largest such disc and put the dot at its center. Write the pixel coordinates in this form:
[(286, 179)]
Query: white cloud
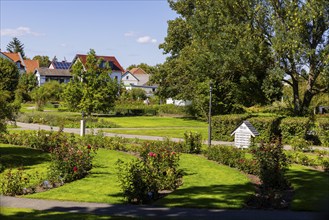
[(130, 34), (146, 40), (20, 31)]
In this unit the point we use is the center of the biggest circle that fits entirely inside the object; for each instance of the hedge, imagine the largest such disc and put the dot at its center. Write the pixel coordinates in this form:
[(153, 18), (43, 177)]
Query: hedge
[(294, 127), (268, 127), (321, 127), (224, 125)]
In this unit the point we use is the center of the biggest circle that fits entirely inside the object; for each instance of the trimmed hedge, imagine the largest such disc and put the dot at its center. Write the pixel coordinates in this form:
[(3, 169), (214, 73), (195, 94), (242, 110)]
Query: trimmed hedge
[(294, 127), (322, 130), (224, 125), (268, 127)]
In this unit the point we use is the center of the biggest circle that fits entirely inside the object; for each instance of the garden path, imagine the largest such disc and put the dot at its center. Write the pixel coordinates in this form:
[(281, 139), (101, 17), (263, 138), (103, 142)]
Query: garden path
[(155, 212)]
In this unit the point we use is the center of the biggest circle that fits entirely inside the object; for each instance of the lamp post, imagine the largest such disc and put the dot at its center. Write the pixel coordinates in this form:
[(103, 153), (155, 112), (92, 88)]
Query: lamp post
[(82, 124), (209, 115)]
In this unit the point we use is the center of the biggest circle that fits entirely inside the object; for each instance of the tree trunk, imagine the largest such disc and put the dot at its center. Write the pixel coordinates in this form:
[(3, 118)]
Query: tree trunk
[(296, 100)]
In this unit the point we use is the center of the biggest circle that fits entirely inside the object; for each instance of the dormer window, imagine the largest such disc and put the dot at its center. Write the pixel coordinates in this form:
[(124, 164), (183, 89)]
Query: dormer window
[(18, 64), (127, 77)]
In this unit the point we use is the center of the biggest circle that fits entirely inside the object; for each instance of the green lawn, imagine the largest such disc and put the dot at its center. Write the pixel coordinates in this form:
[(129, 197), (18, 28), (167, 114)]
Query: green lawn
[(155, 122), (100, 186), (30, 214), (31, 160), (172, 132), (206, 184), (311, 188), (209, 185)]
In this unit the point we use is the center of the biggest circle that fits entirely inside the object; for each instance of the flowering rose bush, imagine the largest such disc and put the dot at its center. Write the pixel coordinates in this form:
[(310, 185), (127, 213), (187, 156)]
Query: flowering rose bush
[(70, 162), (155, 170)]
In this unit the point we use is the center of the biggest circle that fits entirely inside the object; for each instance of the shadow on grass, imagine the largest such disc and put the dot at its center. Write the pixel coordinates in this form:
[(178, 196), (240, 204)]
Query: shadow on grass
[(213, 196), (311, 189), (13, 157)]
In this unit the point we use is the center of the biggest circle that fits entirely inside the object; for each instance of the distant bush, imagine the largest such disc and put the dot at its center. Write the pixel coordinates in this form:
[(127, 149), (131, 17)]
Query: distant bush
[(68, 121), (294, 127), (14, 182), (192, 142)]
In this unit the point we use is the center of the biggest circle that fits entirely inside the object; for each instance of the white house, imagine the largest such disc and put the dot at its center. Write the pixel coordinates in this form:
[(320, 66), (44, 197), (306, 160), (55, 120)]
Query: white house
[(243, 133), (117, 69), (137, 78), (178, 102), (44, 74)]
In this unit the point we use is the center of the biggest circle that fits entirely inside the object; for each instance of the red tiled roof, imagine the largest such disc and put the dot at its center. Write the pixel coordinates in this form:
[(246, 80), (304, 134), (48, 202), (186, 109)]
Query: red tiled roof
[(14, 56), (31, 65), (83, 59), (137, 70)]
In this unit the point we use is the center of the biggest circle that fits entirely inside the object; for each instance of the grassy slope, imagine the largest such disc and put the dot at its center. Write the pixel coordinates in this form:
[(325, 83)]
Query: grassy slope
[(209, 185)]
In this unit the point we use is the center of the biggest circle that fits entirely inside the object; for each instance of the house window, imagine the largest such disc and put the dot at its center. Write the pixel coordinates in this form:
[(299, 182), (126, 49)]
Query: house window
[(127, 77), (116, 78)]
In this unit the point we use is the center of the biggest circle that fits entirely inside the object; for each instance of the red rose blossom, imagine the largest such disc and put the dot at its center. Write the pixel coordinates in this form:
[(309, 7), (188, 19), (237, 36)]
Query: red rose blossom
[(75, 169)]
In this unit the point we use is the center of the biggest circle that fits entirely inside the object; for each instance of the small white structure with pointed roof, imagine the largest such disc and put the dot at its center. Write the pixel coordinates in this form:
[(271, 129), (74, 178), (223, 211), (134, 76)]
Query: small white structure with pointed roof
[(243, 134)]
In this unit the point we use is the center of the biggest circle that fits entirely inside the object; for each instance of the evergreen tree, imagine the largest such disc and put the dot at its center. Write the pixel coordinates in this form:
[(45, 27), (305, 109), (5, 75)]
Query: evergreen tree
[(16, 46)]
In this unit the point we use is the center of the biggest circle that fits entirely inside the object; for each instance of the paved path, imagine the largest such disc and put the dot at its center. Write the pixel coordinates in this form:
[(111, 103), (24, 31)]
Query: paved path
[(27, 126), (155, 212)]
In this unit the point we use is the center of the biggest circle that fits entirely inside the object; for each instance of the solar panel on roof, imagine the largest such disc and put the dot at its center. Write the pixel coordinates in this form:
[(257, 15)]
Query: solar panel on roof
[(62, 65)]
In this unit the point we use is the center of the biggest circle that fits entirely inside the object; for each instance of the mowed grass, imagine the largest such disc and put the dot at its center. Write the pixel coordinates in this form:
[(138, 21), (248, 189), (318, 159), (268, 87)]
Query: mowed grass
[(311, 188), (209, 185), (154, 122), (31, 160), (22, 213), (100, 186), (172, 132)]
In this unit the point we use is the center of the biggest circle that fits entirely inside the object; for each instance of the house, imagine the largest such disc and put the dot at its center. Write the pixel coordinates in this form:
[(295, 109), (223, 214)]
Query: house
[(44, 74), (64, 65), (31, 65), (17, 59), (243, 133), (178, 102), (117, 69), (138, 78)]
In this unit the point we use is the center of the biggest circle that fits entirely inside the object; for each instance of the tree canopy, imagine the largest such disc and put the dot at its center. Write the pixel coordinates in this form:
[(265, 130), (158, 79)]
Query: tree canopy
[(43, 60), (91, 88), (16, 46), (247, 48)]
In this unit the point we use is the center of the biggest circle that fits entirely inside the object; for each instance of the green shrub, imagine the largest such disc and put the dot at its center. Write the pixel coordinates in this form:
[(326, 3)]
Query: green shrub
[(322, 130), (193, 142), (273, 165), (268, 128), (155, 170), (14, 182), (226, 155), (70, 162), (300, 144), (224, 125), (294, 127)]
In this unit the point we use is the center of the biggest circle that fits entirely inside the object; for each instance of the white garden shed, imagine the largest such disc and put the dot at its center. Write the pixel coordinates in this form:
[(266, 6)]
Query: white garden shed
[(243, 134)]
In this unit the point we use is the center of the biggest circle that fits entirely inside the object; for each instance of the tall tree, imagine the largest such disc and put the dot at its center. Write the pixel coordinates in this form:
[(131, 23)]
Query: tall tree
[(43, 60), (218, 41), (16, 46), (9, 79), (298, 33), (91, 89)]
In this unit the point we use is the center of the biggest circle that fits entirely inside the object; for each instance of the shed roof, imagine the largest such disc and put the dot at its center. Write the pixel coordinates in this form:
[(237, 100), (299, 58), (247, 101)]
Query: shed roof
[(250, 127)]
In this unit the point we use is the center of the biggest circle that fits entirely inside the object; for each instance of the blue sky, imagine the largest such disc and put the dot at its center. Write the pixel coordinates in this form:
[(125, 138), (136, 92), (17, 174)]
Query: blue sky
[(130, 30)]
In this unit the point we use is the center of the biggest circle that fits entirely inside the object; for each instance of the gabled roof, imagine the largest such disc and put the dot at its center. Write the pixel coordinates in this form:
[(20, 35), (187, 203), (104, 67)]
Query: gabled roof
[(115, 65), (31, 65), (137, 70), (44, 71), (252, 130), (15, 57), (127, 73)]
